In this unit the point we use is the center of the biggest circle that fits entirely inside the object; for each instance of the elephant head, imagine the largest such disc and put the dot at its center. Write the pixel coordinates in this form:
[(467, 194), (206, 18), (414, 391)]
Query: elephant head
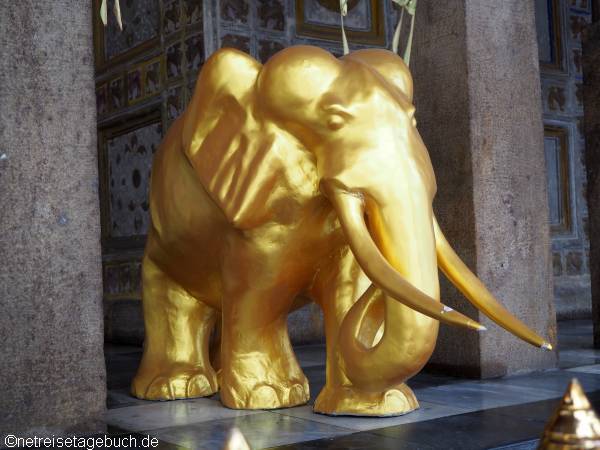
[(348, 125)]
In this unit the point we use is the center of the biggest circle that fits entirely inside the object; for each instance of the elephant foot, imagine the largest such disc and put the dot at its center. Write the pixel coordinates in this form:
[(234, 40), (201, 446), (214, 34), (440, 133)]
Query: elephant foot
[(265, 395), (178, 383), (349, 401)]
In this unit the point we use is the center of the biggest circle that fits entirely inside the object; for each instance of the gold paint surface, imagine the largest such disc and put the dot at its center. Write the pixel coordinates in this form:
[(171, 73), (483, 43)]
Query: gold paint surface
[(301, 180), (574, 424)]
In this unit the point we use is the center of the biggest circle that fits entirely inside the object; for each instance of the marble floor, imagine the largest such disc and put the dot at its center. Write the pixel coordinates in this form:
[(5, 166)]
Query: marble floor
[(507, 413)]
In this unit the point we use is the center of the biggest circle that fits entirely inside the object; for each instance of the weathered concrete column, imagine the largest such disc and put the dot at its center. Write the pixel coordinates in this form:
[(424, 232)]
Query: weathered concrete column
[(591, 99), (478, 100), (52, 375)]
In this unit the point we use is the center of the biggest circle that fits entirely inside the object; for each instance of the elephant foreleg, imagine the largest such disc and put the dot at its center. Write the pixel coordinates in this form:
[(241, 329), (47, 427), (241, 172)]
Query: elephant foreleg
[(258, 367), (336, 289), (175, 363)]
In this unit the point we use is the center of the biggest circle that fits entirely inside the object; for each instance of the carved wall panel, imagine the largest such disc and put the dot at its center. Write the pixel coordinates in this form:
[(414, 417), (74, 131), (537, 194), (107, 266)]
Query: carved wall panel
[(144, 78), (556, 147), (141, 28), (321, 19), (559, 25), (126, 152)]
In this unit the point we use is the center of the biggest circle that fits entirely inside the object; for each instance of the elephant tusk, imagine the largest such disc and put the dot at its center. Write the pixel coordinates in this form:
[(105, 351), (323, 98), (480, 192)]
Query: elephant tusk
[(350, 209), (474, 290)]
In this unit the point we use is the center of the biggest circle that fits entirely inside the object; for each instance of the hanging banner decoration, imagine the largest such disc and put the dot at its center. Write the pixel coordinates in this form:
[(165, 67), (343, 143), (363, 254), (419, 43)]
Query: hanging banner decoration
[(411, 8), (343, 13), (116, 11), (103, 13)]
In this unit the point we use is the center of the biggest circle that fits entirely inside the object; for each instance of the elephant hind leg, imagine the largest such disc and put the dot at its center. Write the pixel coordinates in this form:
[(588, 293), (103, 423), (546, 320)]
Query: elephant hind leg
[(175, 363)]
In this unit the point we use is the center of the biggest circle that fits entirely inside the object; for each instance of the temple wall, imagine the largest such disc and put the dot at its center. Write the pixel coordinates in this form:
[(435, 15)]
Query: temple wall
[(560, 26)]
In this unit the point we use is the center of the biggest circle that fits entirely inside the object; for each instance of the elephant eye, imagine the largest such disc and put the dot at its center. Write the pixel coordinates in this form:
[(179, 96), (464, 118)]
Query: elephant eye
[(337, 116), (335, 122)]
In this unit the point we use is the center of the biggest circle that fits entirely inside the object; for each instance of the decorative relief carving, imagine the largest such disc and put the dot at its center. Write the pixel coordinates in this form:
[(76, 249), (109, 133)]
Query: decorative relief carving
[(126, 160), (556, 98), (101, 99), (236, 41), (141, 27), (266, 49), (122, 279), (117, 93), (172, 17), (578, 24), (174, 103), (152, 77), (320, 19), (130, 160), (271, 15), (174, 61), (134, 84), (334, 5), (577, 61), (234, 11), (194, 52), (193, 11), (582, 5)]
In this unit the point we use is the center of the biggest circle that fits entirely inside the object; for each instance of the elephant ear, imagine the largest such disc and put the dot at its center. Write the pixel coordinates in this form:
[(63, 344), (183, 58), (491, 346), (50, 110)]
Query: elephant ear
[(240, 160), (389, 65)]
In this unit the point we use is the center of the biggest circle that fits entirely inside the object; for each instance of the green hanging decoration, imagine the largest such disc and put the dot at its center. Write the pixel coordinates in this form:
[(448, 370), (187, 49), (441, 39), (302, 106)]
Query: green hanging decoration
[(116, 11), (343, 13), (410, 6)]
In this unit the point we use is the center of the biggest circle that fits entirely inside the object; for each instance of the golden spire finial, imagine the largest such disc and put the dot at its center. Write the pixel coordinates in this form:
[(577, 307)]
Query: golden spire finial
[(574, 424), (236, 441)]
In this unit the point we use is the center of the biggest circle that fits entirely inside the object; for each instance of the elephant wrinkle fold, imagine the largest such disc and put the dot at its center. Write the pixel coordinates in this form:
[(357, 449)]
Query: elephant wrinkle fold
[(301, 180)]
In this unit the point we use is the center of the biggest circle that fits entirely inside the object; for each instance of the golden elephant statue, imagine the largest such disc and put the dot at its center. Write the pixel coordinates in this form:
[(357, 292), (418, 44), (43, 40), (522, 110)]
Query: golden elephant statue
[(303, 179)]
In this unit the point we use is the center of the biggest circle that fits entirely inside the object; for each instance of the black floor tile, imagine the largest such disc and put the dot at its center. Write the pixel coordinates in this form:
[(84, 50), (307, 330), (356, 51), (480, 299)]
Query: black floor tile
[(477, 430), (356, 441)]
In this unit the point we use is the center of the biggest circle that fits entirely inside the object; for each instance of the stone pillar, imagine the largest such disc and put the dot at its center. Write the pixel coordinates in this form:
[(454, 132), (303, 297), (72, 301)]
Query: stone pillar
[(51, 359), (591, 96), (478, 99)]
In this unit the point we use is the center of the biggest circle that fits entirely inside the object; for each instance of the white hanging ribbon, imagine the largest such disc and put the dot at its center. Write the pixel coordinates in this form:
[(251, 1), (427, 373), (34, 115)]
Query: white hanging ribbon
[(396, 41), (103, 13), (116, 11), (411, 8), (343, 13)]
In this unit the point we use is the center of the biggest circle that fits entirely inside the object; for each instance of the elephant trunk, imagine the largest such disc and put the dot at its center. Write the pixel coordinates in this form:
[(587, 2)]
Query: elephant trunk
[(402, 266)]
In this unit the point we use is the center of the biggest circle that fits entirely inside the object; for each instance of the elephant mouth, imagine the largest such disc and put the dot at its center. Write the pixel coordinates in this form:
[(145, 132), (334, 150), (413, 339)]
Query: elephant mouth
[(351, 213)]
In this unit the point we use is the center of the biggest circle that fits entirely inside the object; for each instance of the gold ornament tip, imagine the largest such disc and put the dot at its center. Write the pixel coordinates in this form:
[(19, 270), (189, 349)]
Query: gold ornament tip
[(482, 328), (236, 441), (547, 346)]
